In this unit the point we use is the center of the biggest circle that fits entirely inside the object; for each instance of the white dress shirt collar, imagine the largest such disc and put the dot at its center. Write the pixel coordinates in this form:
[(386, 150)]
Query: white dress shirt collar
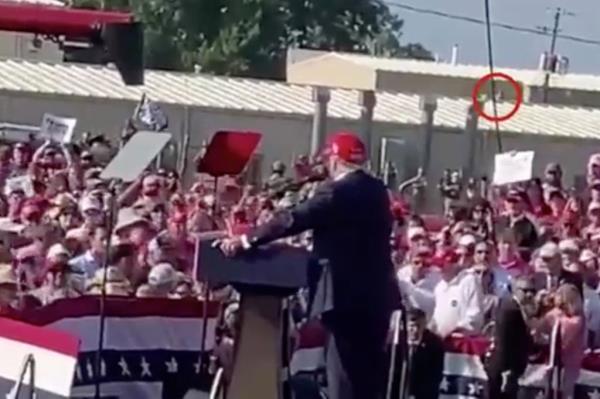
[(344, 174)]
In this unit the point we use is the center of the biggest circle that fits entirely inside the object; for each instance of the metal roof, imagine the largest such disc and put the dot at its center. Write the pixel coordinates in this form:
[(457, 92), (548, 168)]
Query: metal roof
[(277, 97), (530, 77)]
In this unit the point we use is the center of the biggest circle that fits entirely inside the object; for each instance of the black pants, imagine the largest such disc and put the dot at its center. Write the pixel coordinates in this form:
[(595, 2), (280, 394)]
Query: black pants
[(360, 349)]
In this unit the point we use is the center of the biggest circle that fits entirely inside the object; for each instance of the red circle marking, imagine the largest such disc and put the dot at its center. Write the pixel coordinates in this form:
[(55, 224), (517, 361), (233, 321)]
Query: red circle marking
[(479, 109)]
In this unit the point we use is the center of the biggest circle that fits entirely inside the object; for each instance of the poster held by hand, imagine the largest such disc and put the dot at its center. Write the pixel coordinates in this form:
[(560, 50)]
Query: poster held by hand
[(135, 156), (57, 128), (513, 167)]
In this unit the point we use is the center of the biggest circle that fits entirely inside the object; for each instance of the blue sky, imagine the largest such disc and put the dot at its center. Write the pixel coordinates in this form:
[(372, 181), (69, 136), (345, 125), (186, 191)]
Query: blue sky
[(510, 48)]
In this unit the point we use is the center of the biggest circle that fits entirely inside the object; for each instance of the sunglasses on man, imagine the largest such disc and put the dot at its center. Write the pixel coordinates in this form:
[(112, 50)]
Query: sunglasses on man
[(527, 290)]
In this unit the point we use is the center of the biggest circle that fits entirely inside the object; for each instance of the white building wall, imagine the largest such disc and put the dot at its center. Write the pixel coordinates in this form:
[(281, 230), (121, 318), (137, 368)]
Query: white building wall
[(20, 45), (288, 136)]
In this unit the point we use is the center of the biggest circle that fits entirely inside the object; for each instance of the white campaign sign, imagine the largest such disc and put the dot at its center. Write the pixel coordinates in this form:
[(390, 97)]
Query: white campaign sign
[(23, 183), (57, 128), (513, 167)]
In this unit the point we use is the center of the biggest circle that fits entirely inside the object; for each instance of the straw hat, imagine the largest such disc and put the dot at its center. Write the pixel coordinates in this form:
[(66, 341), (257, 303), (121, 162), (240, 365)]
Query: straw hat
[(128, 218)]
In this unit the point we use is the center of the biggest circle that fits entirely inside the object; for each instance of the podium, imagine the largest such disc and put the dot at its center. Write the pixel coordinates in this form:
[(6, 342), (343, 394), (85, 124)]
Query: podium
[(263, 277)]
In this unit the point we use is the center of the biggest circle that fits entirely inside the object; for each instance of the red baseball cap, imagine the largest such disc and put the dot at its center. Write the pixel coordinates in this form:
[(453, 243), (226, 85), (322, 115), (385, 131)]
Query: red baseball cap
[(399, 209), (347, 146), (447, 258)]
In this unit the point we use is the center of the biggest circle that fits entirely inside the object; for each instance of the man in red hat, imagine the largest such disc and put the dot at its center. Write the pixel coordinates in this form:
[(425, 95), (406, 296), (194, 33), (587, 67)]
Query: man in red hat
[(357, 291)]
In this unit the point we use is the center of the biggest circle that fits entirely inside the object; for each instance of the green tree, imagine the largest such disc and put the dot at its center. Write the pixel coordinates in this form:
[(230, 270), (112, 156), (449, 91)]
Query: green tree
[(250, 37)]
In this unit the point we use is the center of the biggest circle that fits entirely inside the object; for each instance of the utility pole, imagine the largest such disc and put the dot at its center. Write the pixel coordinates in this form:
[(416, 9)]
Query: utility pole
[(559, 12)]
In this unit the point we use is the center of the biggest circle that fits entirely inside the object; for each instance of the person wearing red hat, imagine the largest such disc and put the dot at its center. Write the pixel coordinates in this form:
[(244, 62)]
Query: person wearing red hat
[(356, 291)]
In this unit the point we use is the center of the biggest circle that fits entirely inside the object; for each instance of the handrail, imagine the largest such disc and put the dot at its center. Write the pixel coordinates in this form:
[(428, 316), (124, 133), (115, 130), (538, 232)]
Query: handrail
[(418, 181), (28, 364), (217, 385)]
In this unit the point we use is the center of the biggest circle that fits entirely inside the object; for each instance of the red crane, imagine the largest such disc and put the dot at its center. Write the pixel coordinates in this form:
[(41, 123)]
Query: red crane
[(116, 32)]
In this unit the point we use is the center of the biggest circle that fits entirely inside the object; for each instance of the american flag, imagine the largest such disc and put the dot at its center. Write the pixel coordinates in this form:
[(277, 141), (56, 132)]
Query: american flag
[(52, 354), (151, 348), (151, 115), (465, 377), (464, 373)]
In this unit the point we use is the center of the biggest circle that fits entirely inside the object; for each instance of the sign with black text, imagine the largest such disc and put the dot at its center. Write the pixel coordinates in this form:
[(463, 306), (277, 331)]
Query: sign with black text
[(513, 167), (57, 128)]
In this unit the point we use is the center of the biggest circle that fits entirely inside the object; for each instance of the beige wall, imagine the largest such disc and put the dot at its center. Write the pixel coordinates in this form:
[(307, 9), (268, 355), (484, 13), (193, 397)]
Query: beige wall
[(571, 153), (330, 71), (287, 136), (463, 87), (439, 85), (579, 98), (18, 45), (283, 137)]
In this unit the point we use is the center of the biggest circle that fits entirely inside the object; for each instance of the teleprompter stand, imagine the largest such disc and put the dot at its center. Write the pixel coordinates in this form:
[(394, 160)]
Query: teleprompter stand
[(263, 277)]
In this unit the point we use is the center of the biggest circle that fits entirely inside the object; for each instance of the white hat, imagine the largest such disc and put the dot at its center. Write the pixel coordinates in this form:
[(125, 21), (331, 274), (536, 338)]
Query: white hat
[(90, 203), (549, 250), (568, 245), (586, 255), (414, 232), (57, 250), (162, 274), (467, 240)]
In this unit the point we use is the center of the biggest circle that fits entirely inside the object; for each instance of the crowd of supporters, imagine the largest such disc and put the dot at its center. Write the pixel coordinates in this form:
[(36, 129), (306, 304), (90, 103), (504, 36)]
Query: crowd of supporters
[(455, 266), (61, 224), (458, 268)]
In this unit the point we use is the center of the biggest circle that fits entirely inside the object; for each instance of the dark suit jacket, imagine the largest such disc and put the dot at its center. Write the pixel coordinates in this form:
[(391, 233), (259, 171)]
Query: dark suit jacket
[(351, 223), (564, 277), (427, 367), (512, 340)]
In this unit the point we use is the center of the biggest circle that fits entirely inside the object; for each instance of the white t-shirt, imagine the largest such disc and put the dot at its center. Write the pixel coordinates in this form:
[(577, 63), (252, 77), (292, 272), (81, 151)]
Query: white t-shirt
[(419, 294), (458, 304)]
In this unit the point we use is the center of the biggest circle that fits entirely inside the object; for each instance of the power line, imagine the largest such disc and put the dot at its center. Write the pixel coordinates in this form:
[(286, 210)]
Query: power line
[(491, 64), (477, 21)]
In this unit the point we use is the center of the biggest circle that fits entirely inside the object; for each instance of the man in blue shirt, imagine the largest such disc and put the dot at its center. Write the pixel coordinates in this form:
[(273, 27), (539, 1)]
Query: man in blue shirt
[(92, 259)]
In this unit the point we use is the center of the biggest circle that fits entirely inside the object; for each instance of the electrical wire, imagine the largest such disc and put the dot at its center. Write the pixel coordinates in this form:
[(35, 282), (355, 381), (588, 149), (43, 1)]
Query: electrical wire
[(477, 21), (491, 64)]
